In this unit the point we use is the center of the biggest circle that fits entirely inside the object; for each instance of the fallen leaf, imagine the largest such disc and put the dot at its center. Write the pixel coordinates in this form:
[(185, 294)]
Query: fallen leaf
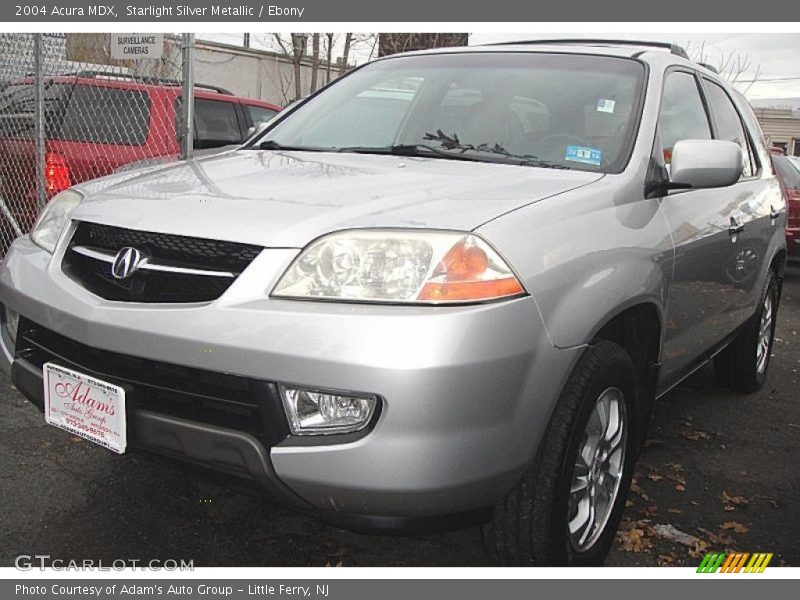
[(769, 500), (696, 435), (666, 560), (736, 527), (654, 477), (674, 511), (639, 491), (719, 540), (633, 540), (680, 488), (698, 549), (650, 510), (731, 502)]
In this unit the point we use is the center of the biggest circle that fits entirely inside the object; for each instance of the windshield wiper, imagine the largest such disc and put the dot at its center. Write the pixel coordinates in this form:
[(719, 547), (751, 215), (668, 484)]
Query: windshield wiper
[(409, 150), (451, 142), (273, 145), (428, 150)]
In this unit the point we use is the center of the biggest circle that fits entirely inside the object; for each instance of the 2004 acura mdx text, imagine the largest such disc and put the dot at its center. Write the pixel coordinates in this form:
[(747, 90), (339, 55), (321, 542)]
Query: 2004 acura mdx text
[(445, 289)]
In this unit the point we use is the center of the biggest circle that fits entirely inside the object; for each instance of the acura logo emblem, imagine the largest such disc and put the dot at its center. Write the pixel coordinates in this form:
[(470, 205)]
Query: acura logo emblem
[(126, 263)]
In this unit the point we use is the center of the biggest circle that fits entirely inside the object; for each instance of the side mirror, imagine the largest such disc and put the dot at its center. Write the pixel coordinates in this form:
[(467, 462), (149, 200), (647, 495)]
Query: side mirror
[(705, 163)]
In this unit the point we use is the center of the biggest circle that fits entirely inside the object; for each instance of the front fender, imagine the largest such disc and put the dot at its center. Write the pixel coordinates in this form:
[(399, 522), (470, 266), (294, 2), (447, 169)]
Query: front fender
[(587, 255)]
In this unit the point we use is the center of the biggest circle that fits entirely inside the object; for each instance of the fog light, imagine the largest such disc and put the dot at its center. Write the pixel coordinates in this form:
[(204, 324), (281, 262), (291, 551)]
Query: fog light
[(318, 413), (12, 323)]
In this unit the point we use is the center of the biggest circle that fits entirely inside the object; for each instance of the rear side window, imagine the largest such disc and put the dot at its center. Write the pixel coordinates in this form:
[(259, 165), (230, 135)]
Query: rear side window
[(682, 115), (260, 114), (789, 174), (106, 116), (216, 123), (729, 125)]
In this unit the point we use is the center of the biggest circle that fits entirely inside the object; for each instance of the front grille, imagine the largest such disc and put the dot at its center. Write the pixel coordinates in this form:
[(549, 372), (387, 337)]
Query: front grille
[(249, 405), (155, 286)]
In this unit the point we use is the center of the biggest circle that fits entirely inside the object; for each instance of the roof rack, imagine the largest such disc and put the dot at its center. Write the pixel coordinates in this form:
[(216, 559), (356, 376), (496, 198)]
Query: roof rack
[(711, 68), (146, 79), (673, 48)]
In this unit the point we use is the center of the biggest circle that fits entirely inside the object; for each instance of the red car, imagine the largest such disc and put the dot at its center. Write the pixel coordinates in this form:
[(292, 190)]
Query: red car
[(97, 122), (788, 169)]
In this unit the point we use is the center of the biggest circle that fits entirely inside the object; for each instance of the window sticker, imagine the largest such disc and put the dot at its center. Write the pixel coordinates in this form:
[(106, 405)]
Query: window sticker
[(606, 105), (582, 154)]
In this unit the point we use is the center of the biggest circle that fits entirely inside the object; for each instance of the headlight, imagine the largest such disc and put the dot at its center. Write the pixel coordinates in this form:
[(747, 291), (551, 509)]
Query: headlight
[(402, 266), (54, 218)]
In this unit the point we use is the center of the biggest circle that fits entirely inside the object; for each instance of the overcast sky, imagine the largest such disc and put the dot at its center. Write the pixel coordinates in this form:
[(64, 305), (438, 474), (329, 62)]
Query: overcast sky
[(777, 54)]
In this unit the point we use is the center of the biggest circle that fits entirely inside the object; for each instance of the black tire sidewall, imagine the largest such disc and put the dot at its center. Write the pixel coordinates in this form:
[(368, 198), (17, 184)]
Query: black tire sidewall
[(771, 289), (616, 371)]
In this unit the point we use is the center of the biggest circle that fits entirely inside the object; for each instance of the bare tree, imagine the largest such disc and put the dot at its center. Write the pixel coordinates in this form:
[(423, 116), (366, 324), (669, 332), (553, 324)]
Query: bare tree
[(329, 40), (299, 44), (277, 40), (314, 61), (292, 51), (393, 43), (363, 42), (735, 67), (348, 39), (282, 78)]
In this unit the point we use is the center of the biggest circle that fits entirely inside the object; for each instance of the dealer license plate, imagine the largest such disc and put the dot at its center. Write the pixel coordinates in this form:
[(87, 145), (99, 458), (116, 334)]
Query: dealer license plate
[(85, 406)]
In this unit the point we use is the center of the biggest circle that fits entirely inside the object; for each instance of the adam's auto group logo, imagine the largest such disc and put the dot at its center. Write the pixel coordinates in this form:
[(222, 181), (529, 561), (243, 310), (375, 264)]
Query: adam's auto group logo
[(735, 562)]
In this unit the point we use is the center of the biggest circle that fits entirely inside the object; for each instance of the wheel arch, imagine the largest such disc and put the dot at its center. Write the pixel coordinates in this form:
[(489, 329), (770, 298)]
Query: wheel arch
[(638, 329)]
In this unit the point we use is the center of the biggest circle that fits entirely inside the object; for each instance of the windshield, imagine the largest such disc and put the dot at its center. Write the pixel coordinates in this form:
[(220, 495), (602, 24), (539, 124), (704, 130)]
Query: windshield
[(557, 110)]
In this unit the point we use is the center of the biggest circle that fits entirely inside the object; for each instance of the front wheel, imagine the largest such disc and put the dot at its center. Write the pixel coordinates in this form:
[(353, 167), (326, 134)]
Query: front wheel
[(566, 508)]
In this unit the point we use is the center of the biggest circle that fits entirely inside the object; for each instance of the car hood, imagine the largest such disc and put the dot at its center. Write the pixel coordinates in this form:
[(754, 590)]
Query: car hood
[(286, 199)]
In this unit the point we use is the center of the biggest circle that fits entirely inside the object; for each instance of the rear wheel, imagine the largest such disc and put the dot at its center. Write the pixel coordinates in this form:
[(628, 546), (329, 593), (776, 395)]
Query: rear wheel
[(743, 365), (566, 508)]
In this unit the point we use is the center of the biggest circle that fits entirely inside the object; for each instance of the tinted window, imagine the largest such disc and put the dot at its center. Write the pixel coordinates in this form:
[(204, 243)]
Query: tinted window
[(17, 116), (16, 99), (216, 123), (682, 115), (568, 111), (71, 113), (259, 114), (106, 116), (729, 124), (788, 172)]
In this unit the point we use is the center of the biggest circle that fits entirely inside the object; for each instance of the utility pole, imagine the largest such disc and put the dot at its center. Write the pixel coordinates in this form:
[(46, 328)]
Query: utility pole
[(187, 106)]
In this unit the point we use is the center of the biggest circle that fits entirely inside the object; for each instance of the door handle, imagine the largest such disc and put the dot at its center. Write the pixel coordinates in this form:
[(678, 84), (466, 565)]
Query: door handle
[(735, 228)]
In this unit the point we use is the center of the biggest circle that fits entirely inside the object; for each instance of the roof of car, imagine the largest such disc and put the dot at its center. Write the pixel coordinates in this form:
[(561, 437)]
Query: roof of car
[(621, 48)]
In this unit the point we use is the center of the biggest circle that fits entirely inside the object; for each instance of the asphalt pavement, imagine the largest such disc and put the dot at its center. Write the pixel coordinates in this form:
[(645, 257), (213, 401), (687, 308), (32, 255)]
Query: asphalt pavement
[(720, 472)]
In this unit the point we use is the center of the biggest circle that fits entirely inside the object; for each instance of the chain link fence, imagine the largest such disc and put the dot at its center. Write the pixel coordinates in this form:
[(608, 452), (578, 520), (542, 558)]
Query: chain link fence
[(69, 112)]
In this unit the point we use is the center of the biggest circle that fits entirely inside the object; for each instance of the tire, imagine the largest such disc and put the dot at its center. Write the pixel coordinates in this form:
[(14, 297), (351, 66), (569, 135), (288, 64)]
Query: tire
[(743, 365), (530, 527)]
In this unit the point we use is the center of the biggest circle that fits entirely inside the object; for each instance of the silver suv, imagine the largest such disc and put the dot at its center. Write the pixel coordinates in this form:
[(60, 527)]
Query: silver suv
[(445, 289)]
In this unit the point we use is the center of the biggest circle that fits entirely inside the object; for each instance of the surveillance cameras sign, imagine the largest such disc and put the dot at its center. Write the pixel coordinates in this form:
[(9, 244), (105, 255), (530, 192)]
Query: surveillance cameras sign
[(133, 46)]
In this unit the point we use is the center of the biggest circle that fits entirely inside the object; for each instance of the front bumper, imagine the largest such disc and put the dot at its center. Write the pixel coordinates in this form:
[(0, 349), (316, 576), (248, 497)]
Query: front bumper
[(467, 391)]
